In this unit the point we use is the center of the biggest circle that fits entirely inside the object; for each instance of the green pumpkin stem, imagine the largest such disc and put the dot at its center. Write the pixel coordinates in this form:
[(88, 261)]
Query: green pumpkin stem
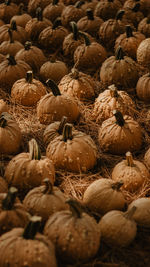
[(86, 39), (89, 14), (74, 29), (27, 45), (21, 7), (55, 2), (67, 132), (48, 186), (34, 150), (53, 86), (129, 214), (120, 14), (136, 7), (39, 14), (78, 4), (11, 60), (10, 36), (129, 31), (119, 118), (29, 76), (32, 227), (9, 200), (129, 159), (113, 91), (119, 53), (116, 186), (57, 23), (62, 124), (13, 25), (75, 207)]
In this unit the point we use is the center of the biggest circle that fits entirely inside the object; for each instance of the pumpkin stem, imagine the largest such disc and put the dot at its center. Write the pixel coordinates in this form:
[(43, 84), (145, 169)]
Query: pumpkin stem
[(136, 7), (75, 207), (57, 23), (62, 124), (29, 76), (13, 25), (67, 132), (39, 14), (74, 73), (10, 36), (9, 200), (120, 14), (53, 86), (129, 214), (74, 29), (86, 39), (55, 2), (129, 31), (48, 186), (27, 45), (34, 150), (3, 122), (32, 227), (11, 60), (129, 159), (119, 118), (116, 186), (89, 14), (113, 91), (78, 4), (20, 11), (119, 53)]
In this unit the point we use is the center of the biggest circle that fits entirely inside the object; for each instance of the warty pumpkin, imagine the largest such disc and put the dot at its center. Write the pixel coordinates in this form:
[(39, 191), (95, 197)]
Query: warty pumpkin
[(107, 9), (144, 26), (75, 234), (132, 172), (143, 53), (53, 10), (34, 4), (143, 87), (133, 15), (72, 151), (120, 134)]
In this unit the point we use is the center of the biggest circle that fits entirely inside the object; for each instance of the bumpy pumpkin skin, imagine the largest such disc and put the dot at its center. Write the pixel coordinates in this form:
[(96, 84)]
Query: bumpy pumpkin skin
[(143, 87), (51, 108), (53, 10), (143, 53), (71, 13), (101, 196), (3, 106), (141, 215), (34, 253), (25, 174), (7, 11), (144, 27), (35, 26), (76, 155), (118, 140), (107, 9), (34, 4), (133, 176), (106, 102)]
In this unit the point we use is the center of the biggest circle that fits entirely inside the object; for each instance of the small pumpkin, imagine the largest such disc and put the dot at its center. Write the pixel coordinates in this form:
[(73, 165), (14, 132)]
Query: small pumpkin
[(45, 200), (132, 172), (27, 91), (53, 10), (7, 10), (34, 248), (34, 4), (109, 100), (144, 26), (72, 151), (75, 231), (120, 134), (21, 17), (143, 53), (3, 185), (3, 106), (118, 229), (53, 106), (133, 15), (26, 170), (107, 9), (143, 87), (10, 134), (104, 195)]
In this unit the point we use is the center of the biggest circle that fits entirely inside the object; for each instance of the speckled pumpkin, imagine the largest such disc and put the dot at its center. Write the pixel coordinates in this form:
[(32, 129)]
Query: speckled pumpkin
[(141, 215)]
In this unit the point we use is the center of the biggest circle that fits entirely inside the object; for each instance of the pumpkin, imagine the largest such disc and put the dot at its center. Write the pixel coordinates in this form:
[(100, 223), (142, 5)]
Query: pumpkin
[(11, 70), (45, 200), (35, 250), (141, 215), (3, 185), (143, 53), (74, 233), (21, 17), (133, 15), (109, 100), (129, 42), (27, 169), (53, 106), (89, 4), (27, 91), (53, 10), (10, 134), (72, 151), (118, 229), (53, 130), (104, 195), (12, 212), (132, 172), (52, 37), (35, 25), (7, 10), (143, 87), (54, 70), (144, 27), (78, 84), (32, 55), (34, 4), (3, 106), (89, 56), (10, 47), (120, 134), (119, 70), (90, 23), (107, 9), (144, 5)]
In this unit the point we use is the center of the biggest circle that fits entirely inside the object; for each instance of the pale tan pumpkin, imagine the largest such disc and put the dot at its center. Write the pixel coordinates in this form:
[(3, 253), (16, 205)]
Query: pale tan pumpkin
[(142, 213), (132, 172), (104, 195), (143, 53)]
